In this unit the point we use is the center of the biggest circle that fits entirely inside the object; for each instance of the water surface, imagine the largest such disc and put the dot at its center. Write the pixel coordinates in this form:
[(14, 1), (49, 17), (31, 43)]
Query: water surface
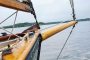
[(77, 48)]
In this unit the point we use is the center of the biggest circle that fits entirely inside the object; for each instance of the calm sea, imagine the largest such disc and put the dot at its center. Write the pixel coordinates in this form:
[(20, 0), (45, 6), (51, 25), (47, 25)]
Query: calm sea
[(77, 47)]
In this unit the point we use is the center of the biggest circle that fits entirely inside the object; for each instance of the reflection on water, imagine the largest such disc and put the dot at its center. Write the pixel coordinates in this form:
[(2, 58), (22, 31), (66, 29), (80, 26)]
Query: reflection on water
[(77, 47)]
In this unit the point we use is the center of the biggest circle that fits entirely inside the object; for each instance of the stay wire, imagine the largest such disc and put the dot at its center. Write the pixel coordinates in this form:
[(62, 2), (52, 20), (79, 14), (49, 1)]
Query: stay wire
[(34, 14), (8, 31), (38, 26), (8, 17), (32, 11), (13, 24), (73, 10), (5, 20), (14, 21), (65, 43), (74, 18)]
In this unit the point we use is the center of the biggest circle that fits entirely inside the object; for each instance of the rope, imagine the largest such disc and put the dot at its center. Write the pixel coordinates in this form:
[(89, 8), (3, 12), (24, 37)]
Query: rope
[(9, 32), (32, 11), (13, 25), (65, 42), (34, 14), (73, 10), (74, 17), (14, 21), (8, 17)]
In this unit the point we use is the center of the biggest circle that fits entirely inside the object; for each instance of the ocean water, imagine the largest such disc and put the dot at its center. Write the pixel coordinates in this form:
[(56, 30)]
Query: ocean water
[(77, 47)]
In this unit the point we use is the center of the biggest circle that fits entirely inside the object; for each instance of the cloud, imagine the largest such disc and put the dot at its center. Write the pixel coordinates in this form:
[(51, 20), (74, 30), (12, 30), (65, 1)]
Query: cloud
[(54, 10), (48, 10)]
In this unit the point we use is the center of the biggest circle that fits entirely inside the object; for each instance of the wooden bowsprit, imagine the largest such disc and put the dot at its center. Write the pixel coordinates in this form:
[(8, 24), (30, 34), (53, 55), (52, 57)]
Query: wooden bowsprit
[(53, 30)]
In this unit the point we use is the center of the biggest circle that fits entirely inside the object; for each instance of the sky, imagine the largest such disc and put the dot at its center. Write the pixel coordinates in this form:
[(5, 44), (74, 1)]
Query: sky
[(49, 11)]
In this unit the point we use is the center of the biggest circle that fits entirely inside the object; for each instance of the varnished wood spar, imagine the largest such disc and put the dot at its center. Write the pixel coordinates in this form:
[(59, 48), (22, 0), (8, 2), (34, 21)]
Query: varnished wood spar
[(53, 30), (15, 5), (21, 49)]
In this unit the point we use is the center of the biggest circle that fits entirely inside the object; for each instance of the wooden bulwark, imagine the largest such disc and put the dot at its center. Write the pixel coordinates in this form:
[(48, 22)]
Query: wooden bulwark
[(13, 4), (21, 49), (53, 30)]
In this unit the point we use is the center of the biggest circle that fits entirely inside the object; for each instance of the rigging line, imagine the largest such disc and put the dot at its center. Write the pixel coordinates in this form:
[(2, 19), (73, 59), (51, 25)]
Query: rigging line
[(9, 32), (5, 20), (74, 18), (32, 11), (13, 24), (14, 21), (73, 10), (34, 14), (65, 43), (8, 17)]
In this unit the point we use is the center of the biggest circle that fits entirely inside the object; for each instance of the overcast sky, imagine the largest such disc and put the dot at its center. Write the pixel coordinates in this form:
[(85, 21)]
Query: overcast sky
[(50, 10)]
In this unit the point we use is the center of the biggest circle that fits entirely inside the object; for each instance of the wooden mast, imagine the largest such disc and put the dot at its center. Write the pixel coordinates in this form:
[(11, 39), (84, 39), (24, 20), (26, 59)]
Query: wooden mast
[(13, 4)]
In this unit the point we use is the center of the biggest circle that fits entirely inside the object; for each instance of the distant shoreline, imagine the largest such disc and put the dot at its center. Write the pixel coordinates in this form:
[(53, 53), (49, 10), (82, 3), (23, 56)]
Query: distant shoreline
[(41, 23)]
